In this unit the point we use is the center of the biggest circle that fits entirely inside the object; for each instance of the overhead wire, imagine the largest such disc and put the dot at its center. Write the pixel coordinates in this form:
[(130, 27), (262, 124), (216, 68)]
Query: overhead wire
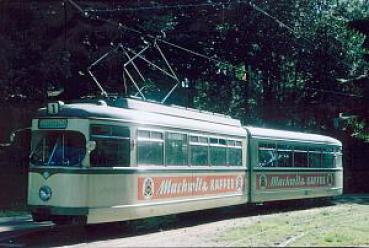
[(134, 9), (250, 3), (181, 6), (86, 13), (282, 24), (121, 26)]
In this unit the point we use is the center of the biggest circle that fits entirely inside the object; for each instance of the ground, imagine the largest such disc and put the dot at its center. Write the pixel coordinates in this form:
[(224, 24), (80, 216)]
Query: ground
[(343, 222), (346, 224)]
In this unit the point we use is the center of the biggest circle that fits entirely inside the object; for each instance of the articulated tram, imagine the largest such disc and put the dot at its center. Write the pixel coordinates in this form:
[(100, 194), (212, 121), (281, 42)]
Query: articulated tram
[(121, 159)]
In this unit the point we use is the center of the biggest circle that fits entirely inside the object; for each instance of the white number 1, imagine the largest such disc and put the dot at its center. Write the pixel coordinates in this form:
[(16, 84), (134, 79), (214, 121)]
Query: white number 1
[(53, 108)]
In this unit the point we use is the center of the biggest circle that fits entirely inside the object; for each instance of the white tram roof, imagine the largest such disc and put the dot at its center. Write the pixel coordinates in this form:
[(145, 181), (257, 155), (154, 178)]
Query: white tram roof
[(274, 134), (148, 113), (178, 111)]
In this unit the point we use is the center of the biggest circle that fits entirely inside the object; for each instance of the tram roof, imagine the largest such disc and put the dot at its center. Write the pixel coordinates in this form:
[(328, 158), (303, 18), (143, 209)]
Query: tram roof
[(274, 134), (170, 110), (126, 109)]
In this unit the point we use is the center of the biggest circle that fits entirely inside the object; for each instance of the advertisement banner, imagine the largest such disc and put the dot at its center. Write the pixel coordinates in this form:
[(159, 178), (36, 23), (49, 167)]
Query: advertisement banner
[(159, 187), (266, 181)]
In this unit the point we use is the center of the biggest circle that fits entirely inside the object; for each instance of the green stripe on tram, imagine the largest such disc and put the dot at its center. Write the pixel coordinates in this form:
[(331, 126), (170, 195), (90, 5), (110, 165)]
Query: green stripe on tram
[(296, 169), (128, 170)]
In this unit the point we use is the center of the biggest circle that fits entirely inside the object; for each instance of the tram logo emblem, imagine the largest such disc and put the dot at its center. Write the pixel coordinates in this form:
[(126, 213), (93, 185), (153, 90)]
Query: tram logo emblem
[(148, 188), (262, 182), (46, 175)]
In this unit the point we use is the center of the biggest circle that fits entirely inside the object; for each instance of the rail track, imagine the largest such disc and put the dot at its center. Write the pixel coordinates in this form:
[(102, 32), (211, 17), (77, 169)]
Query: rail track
[(28, 234)]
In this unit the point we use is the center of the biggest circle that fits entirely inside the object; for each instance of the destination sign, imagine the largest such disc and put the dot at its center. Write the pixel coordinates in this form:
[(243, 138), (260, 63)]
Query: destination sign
[(52, 123)]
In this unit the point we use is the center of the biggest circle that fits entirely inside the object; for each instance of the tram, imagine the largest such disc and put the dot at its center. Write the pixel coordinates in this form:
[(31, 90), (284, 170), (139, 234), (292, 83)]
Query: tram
[(118, 159)]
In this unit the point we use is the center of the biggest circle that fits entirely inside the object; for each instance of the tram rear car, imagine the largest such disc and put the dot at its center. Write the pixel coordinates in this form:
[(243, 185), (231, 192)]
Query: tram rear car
[(123, 159), (290, 165)]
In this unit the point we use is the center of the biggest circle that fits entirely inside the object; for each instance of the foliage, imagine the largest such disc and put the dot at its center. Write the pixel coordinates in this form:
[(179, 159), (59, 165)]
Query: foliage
[(299, 57), (359, 128)]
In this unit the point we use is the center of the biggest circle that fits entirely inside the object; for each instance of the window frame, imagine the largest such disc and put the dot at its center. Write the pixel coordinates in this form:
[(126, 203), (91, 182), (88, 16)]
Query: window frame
[(186, 135), (219, 145), (267, 146), (155, 140), (111, 137), (236, 146), (191, 144)]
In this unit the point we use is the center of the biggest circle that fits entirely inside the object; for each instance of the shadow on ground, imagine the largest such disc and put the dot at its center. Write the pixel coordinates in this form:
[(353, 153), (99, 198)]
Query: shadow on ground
[(362, 199)]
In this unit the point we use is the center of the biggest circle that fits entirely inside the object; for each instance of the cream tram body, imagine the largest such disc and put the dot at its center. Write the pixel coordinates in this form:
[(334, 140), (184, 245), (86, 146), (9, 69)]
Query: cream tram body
[(97, 162), (291, 165), (145, 180)]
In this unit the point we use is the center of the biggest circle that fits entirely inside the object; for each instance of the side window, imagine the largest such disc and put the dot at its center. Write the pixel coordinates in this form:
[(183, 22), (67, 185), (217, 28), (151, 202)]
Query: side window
[(150, 147), (218, 152), (297, 155), (267, 155), (328, 158), (315, 157), (285, 156), (300, 156), (325, 157), (199, 150), (176, 149), (234, 153), (112, 146)]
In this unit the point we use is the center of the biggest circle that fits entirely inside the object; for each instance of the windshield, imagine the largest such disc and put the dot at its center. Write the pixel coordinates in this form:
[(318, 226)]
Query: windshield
[(56, 148)]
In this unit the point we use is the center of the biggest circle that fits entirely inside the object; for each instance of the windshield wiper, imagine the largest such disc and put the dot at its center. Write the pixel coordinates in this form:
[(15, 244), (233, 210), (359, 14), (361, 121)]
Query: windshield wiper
[(53, 152)]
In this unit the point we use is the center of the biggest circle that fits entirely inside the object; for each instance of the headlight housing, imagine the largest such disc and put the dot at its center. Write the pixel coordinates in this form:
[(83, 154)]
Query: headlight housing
[(45, 193)]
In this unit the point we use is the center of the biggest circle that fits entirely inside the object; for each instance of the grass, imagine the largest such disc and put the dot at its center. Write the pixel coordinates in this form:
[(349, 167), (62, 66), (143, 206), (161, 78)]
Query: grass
[(342, 225)]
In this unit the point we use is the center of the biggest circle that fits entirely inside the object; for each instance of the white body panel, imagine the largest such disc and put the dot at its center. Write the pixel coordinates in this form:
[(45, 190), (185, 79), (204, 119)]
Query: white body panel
[(118, 197)]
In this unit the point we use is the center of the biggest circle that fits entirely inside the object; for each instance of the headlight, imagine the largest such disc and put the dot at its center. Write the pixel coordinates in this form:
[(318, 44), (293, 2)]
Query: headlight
[(45, 193)]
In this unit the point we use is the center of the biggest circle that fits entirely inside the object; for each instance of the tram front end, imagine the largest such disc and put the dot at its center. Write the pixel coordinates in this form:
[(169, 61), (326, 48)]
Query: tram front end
[(57, 183)]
